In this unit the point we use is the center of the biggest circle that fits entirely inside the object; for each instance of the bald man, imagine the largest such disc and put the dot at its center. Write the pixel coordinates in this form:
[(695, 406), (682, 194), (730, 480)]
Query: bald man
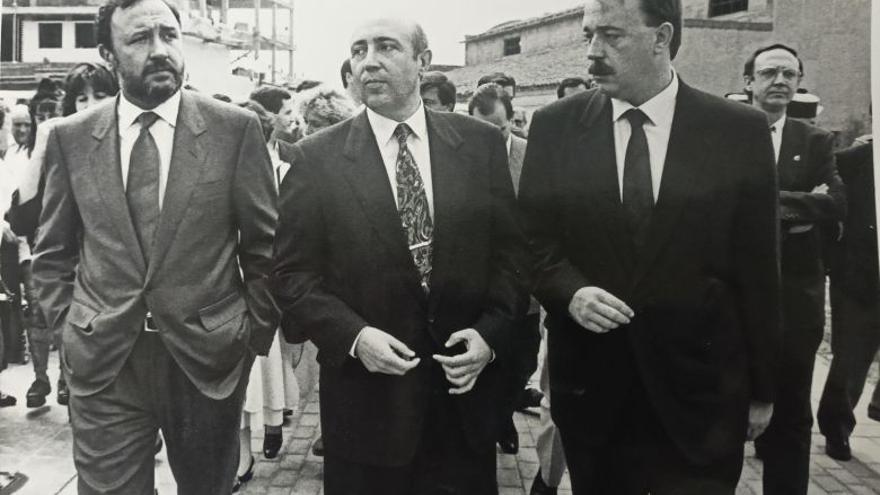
[(398, 253)]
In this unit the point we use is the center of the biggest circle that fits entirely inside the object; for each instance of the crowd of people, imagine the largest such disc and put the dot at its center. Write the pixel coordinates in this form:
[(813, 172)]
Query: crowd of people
[(656, 256)]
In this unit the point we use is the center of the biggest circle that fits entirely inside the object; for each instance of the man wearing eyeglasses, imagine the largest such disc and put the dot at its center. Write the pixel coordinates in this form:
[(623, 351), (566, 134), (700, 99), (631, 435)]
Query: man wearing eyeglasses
[(810, 194)]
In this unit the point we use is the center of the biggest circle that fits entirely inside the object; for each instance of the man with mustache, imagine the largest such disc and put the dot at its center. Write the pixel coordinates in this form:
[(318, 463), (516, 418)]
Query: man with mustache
[(811, 195), (398, 253), (152, 259), (651, 208)]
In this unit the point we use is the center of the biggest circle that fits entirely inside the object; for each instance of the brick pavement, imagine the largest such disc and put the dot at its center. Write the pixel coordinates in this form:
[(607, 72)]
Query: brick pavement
[(37, 443)]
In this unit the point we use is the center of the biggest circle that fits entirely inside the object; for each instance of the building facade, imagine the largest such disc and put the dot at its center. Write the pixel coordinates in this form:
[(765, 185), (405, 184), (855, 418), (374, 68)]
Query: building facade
[(832, 37)]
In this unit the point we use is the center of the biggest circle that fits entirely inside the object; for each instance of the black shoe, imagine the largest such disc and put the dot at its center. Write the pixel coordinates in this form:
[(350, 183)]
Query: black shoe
[(318, 447), (63, 396), (36, 395), (529, 397), (7, 400), (240, 480), (271, 445), (509, 440), (874, 412), (541, 488), (287, 412), (159, 444), (838, 449)]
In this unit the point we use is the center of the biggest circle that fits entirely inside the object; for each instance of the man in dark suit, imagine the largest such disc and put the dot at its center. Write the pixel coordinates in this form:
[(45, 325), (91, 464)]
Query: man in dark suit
[(855, 304), (152, 256), (810, 193), (652, 211), (491, 104), (398, 252)]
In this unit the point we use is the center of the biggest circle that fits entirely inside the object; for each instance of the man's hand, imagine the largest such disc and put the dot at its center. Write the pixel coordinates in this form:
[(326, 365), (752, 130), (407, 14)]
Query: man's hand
[(463, 369), (820, 189), (8, 234), (598, 311), (759, 417), (382, 353)]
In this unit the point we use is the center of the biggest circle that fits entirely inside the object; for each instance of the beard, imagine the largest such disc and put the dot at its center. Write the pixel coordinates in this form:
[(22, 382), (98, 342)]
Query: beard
[(157, 82)]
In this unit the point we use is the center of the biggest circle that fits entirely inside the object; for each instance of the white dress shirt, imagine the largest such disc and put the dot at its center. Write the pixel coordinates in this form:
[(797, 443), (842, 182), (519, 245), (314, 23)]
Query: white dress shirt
[(162, 131), (660, 111), (776, 136), (417, 142)]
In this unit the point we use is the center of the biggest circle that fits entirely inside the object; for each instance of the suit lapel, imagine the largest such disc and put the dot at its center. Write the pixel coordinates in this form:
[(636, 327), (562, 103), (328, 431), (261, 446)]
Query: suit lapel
[(596, 173), (107, 174), (450, 175), (685, 157), (187, 164), (365, 171), (792, 143)]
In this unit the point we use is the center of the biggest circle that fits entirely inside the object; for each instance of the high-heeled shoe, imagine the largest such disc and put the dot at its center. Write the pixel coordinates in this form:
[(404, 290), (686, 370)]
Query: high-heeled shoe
[(271, 444), (244, 478)]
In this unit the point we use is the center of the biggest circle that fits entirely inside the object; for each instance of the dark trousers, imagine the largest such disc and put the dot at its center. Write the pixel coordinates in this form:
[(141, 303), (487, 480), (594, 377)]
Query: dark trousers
[(785, 445), (636, 457), (114, 430), (528, 339), (444, 464), (40, 337), (855, 337)]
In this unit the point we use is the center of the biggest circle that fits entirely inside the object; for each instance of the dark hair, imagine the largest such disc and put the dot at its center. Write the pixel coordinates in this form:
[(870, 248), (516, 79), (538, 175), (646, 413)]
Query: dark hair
[(570, 82), (95, 76), (264, 117), (2, 116), (344, 71), (271, 97), (445, 89), (749, 66), (485, 98), (104, 35), (657, 12), (499, 78)]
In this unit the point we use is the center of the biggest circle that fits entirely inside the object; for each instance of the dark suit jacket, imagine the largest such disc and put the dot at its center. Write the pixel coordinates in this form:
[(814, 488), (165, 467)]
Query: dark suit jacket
[(806, 160), (217, 224), (342, 263), (705, 289), (854, 259)]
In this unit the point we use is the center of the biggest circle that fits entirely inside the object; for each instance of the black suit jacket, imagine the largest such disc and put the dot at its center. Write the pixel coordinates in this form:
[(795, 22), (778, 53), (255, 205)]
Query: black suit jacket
[(342, 263), (854, 258), (705, 290), (806, 160)]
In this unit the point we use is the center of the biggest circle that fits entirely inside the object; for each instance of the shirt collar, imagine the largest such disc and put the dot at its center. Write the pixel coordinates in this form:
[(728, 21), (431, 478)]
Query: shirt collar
[(658, 109), (779, 124), (167, 110), (383, 127)]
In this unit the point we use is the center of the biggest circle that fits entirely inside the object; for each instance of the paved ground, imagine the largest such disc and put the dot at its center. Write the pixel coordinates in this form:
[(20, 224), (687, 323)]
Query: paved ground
[(37, 443)]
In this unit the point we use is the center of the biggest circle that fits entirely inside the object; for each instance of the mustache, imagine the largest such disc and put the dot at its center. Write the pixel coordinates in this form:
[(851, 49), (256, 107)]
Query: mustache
[(599, 68), (159, 65)]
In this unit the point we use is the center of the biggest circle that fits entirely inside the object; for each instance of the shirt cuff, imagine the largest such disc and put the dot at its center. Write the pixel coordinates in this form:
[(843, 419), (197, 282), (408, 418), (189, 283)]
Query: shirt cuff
[(351, 352)]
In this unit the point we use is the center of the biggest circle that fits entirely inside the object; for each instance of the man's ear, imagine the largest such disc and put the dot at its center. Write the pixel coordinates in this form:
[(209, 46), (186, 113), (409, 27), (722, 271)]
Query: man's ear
[(425, 60), (663, 37), (108, 56)]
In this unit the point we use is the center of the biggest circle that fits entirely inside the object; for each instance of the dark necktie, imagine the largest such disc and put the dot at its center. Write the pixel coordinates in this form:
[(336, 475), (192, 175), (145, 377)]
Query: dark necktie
[(142, 189), (638, 193), (412, 205)]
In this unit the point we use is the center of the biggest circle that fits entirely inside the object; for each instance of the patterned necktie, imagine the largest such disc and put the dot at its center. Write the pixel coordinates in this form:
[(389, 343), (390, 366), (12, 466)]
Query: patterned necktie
[(142, 189), (638, 192), (412, 205)]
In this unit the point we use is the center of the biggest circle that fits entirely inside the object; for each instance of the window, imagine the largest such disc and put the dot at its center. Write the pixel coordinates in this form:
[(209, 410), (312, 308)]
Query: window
[(50, 35), (85, 35), (722, 7), (511, 46)]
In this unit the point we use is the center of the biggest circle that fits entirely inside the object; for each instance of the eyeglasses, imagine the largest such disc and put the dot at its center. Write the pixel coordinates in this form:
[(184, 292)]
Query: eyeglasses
[(770, 73)]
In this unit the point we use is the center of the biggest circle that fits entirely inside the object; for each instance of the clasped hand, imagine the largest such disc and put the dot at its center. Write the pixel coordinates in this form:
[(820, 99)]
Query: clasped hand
[(598, 310)]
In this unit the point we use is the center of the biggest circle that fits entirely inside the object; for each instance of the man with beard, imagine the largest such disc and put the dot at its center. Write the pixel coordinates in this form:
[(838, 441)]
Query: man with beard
[(152, 254), (651, 210)]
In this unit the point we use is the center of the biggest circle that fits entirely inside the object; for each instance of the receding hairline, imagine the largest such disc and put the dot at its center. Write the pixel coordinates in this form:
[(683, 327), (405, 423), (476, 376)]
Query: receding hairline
[(412, 28)]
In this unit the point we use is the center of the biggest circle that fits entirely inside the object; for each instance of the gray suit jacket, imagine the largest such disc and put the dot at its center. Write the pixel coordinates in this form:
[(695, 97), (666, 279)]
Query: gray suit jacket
[(205, 283)]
